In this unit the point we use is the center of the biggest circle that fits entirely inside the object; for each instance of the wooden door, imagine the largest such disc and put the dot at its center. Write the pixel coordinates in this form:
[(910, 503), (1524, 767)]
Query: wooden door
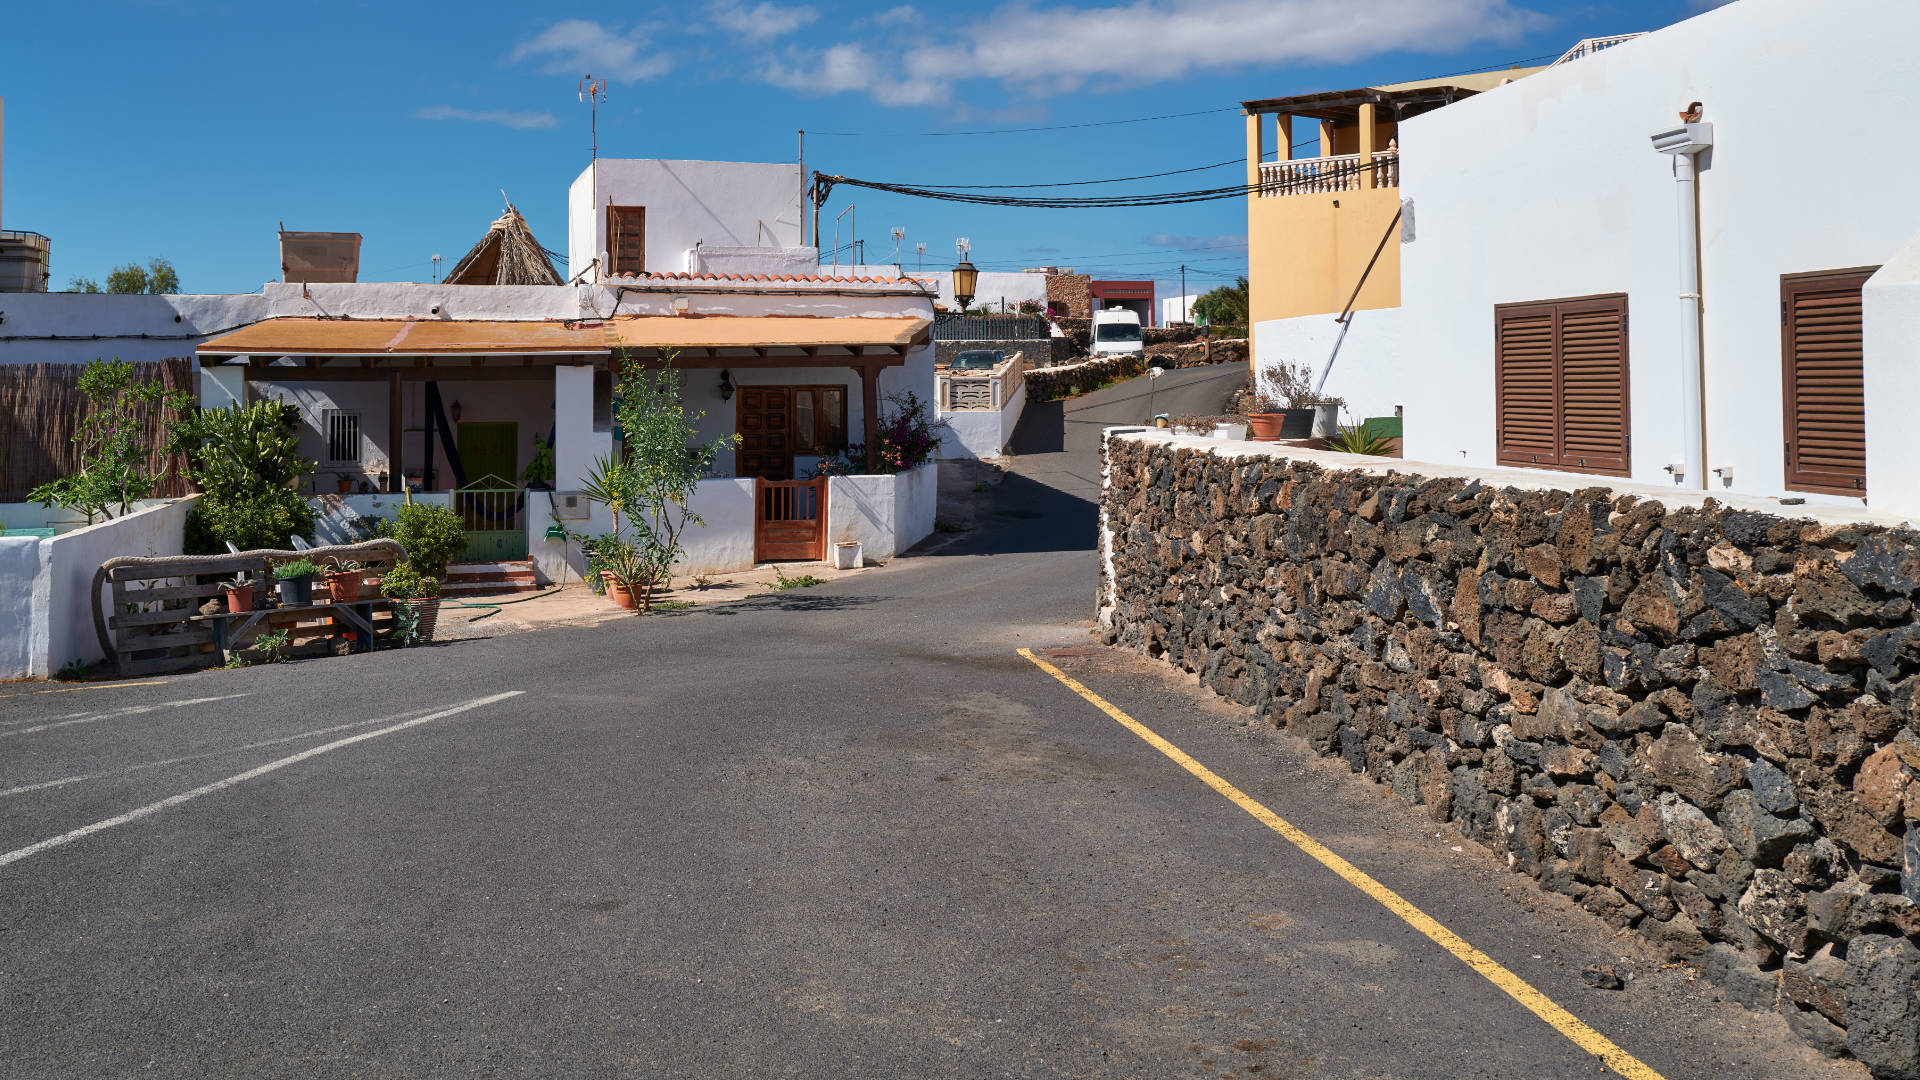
[(763, 415), (1824, 387), (790, 520), (627, 239)]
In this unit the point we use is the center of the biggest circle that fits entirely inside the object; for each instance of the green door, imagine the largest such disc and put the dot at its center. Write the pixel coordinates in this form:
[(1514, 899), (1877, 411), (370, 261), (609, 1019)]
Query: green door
[(491, 506), (489, 449)]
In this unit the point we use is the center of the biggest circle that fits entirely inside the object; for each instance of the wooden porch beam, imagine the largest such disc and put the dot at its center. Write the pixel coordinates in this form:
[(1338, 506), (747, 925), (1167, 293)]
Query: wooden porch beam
[(396, 471)]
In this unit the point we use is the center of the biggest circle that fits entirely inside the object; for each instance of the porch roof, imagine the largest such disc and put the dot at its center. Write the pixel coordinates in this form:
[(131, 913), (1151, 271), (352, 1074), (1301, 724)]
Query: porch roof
[(758, 331), (410, 337), (295, 336)]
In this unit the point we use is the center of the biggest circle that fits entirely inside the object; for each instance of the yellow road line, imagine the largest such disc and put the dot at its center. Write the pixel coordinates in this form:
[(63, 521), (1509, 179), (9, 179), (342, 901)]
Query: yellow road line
[(1515, 987), (97, 686)]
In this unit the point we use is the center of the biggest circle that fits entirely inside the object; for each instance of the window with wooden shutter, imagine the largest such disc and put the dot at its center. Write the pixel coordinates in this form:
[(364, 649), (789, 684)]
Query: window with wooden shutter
[(627, 239), (1822, 384), (1560, 384)]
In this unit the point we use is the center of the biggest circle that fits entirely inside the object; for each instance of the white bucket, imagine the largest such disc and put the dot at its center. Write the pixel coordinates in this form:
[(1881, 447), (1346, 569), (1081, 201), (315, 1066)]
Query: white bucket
[(846, 556)]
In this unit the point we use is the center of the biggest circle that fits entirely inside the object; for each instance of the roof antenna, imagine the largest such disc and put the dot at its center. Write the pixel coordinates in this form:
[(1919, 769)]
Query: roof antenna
[(593, 93)]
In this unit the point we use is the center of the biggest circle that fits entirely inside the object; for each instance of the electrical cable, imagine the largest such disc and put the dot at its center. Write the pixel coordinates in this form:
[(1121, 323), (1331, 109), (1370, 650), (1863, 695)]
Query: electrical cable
[(824, 182), (1017, 131)]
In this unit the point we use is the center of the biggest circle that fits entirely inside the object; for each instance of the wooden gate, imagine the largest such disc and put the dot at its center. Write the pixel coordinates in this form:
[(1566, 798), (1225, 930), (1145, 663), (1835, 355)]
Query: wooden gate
[(790, 521)]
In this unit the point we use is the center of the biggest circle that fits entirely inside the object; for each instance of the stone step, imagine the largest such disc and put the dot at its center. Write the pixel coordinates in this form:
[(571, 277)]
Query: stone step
[(486, 578)]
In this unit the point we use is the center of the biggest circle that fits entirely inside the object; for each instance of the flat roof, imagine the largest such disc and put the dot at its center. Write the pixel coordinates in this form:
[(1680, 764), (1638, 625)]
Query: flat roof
[(1420, 95)]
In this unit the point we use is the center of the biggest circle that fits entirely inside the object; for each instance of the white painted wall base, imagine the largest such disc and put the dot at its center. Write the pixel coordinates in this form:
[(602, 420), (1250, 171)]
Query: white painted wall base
[(1369, 371), (1891, 310), (55, 625), (981, 433)]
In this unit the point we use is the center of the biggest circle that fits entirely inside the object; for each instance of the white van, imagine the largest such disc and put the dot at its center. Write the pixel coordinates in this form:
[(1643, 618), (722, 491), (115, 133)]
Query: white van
[(1115, 331)]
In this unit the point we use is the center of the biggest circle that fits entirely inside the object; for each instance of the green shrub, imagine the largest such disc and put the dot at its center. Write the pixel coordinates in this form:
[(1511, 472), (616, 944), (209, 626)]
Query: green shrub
[(251, 520), (432, 535), (298, 568), (403, 582)]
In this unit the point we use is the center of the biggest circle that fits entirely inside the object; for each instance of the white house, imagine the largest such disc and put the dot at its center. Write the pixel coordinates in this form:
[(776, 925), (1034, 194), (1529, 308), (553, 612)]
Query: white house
[(1553, 315), (430, 388)]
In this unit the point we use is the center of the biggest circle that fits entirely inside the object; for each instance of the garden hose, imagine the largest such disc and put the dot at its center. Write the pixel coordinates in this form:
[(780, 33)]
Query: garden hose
[(495, 606)]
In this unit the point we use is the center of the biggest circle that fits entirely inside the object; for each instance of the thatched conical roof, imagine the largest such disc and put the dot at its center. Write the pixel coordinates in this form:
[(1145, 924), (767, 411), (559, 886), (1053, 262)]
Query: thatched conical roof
[(507, 255)]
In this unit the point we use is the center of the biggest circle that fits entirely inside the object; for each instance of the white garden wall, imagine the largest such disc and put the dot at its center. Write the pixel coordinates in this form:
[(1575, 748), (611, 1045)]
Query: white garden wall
[(55, 575), (1549, 188), (981, 433)]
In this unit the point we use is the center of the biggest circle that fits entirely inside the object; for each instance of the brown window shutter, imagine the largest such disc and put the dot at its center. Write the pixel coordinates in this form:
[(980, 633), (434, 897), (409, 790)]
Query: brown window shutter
[(627, 239), (1824, 391), (1560, 372), (1526, 402)]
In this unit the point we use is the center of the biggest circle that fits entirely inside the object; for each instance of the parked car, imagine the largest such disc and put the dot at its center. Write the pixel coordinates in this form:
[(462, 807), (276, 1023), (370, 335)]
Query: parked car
[(978, 360), (1115, 331)]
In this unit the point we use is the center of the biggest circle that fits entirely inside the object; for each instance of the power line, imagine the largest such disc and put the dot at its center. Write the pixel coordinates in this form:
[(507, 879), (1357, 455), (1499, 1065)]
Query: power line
[(1084, 183), (1334, 176)]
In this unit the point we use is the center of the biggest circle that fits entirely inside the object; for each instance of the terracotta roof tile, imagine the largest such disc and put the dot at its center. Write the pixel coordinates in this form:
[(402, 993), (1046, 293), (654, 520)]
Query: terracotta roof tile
[(679, 275)]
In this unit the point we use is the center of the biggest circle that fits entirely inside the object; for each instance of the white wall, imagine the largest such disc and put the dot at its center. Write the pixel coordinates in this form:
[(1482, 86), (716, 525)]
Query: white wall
[(61, 627), (1549, 188), (725, 542), (885, 515), (724, 203), (73, 328), (1370, 371), (19, 569), (1891, 301), (993, 287), (916, 499), (1177, 309), (981, 433)]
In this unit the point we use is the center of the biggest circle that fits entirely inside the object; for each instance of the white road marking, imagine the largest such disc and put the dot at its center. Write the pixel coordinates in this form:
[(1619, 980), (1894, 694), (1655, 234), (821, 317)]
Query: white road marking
[(240, 778), (314, 734), (115, 714)]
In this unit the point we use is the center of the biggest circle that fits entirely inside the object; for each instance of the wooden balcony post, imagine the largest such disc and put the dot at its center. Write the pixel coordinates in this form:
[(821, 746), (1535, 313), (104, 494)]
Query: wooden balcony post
[(870, 411), (1366, 146), (1284, 151), (1255, 150), (396, 478)]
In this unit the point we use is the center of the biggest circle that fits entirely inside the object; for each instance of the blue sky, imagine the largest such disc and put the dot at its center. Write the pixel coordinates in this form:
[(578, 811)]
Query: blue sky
[(191, 130)]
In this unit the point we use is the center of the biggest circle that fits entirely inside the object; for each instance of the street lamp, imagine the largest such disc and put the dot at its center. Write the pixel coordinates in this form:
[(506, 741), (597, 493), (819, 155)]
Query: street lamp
[(965, 278)]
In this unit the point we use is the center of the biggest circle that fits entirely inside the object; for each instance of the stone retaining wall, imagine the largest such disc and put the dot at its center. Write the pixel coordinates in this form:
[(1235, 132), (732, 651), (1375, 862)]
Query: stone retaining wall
[(1697, 722)]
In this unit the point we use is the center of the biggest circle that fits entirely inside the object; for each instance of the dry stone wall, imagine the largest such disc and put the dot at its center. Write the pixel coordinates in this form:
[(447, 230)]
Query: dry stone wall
[(1697, 722)]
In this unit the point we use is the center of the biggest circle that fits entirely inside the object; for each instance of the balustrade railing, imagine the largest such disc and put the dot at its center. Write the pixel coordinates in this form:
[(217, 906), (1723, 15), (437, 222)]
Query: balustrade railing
[(987, 390), (1340, 172)]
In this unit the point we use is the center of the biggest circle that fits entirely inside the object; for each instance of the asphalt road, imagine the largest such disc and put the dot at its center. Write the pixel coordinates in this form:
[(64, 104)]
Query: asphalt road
[(835, 832)]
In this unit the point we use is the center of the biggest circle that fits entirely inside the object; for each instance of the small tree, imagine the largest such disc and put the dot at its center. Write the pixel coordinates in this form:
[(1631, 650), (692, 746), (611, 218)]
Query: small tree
[(651, 483), (1227, 305), (113, 441), (153, 279), (245, 459)]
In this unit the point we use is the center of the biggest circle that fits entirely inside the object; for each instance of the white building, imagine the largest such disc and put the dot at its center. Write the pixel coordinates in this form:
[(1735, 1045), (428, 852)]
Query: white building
[(1176, 310), (1549, 322), (428, 388)]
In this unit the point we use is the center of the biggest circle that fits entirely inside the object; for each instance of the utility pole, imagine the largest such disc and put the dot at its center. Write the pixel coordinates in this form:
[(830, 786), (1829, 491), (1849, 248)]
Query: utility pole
[(1185, 316), (806, 189)]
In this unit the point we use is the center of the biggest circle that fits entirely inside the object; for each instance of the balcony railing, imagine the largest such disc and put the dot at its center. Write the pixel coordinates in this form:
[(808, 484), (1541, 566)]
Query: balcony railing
[(1341, 172)]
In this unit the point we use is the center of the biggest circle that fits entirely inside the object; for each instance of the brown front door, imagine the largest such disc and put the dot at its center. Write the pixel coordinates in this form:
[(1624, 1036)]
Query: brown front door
[(764, 417)]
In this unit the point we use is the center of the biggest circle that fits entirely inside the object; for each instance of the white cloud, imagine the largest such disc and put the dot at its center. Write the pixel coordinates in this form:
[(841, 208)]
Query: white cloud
[(1056, 50), (904, 15), (761, 22), (526, 119), (581, 47), (1228, 242), (850, 68)]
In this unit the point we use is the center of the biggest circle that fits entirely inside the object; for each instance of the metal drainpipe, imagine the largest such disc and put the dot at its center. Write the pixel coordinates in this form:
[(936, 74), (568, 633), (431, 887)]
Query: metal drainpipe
[(1684, 143)]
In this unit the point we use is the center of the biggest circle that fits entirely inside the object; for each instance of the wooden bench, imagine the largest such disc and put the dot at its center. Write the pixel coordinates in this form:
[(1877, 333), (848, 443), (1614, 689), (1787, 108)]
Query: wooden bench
[(153, 622)]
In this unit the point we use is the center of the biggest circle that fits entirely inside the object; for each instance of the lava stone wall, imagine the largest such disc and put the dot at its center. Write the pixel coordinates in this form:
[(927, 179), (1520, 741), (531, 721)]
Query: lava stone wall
[(1697, 722)]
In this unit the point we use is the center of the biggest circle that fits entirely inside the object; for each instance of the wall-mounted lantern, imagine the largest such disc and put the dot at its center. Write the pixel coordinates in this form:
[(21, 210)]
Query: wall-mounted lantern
[(726, 385), (965, 279)]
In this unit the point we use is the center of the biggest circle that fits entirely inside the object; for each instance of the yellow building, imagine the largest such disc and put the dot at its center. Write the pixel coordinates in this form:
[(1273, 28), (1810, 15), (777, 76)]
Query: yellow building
[(1313, 223)]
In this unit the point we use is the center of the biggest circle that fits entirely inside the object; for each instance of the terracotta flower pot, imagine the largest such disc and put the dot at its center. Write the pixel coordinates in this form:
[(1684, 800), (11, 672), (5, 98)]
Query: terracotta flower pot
[(240, 599), (618, 592), (347, 586), (1265, 426)]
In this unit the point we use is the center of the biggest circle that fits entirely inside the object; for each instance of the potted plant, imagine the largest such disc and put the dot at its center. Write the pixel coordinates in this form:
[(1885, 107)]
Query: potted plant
[(1280, 403), (294, 581), (345, 482), (239, 592), (416, 599), (617, 563), (346, 580)]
